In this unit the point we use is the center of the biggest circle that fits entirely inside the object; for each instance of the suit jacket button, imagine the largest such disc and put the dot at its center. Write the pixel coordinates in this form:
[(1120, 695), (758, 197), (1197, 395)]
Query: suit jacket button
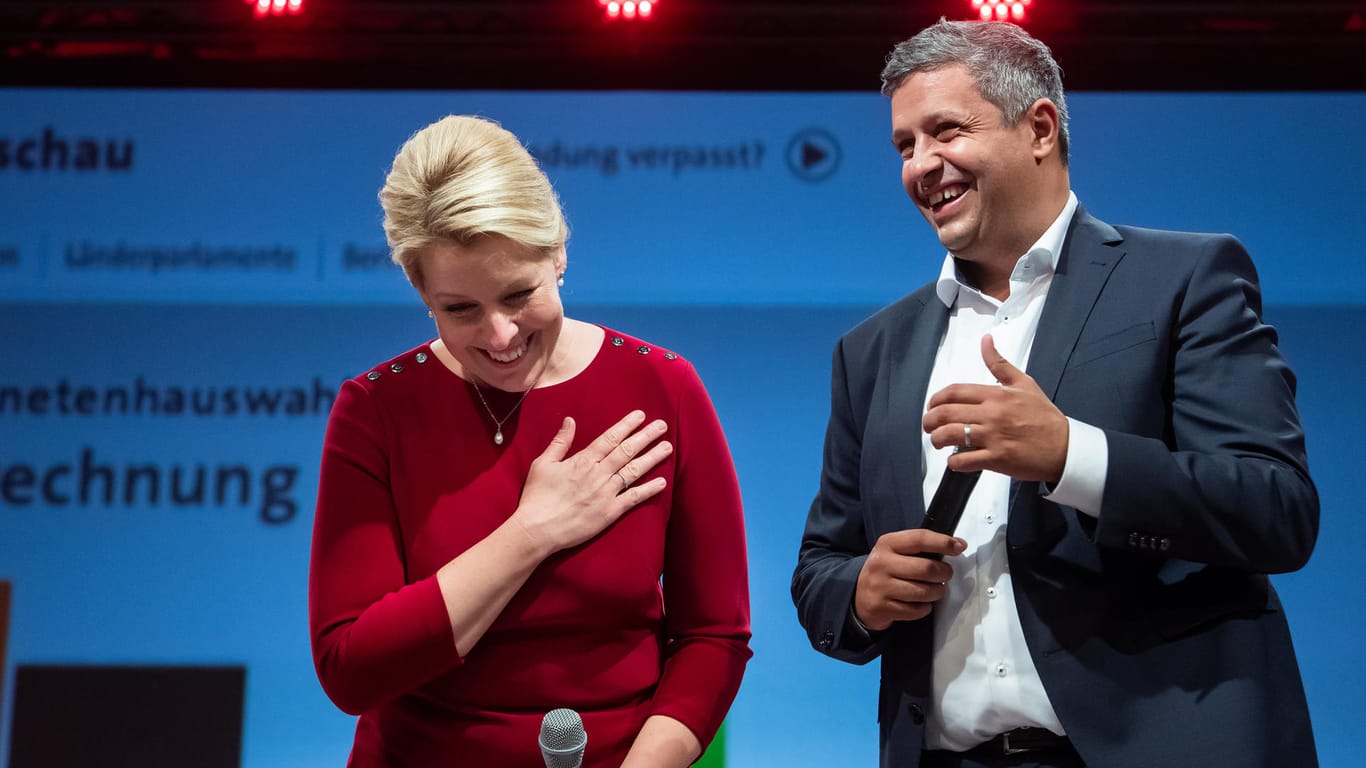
[(1165, 544), (917, 714), (1133, 540), (827, 640)]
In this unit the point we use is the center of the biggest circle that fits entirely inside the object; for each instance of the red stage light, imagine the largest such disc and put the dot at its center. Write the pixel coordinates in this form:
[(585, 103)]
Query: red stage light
[(1002, 10), (264, 8), (631, 10)]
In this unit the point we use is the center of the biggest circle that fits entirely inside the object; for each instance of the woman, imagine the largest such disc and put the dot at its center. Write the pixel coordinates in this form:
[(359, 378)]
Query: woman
[(527, 513)]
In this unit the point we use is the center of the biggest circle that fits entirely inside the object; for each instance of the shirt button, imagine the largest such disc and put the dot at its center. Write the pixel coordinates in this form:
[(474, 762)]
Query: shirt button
[(991, 591), (990, 518), (1000, 670)]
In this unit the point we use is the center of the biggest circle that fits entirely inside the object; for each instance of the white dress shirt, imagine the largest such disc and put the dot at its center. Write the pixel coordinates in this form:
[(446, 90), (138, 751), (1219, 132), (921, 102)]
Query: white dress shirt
[(983, 679)]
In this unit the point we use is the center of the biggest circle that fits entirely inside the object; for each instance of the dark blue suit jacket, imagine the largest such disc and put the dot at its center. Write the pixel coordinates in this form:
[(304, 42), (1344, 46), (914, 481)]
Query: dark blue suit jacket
[(1155, 630)]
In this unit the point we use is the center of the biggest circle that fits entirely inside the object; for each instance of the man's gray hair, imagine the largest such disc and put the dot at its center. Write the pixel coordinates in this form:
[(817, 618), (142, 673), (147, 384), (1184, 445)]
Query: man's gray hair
[(1012, 70)]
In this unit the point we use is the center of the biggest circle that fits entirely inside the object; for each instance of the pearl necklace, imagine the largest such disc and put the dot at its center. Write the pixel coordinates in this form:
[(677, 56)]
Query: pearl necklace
[(497, 422)]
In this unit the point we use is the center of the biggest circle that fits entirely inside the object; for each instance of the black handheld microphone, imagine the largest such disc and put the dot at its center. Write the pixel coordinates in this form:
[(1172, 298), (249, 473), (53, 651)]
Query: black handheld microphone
[(946, 508), (562, 739)]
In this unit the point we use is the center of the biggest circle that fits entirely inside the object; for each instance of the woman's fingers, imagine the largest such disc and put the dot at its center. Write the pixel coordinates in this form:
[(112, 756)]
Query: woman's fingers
[(632, 470), (632, 447), (559, 445), (626, 451), (613, 437), (636, 494)]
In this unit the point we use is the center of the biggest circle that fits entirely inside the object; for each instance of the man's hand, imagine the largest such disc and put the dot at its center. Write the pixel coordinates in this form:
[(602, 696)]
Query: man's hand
[(1016, 429), (895, 584)]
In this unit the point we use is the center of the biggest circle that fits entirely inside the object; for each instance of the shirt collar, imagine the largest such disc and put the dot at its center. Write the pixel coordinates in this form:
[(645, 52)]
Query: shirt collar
[(1040, 260)]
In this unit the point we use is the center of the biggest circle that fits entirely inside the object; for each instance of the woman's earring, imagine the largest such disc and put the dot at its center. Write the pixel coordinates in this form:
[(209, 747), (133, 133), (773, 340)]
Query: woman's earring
[(429, 313), (560, 281)]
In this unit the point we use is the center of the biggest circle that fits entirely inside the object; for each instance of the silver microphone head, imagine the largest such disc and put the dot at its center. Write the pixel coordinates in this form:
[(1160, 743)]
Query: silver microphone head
[(562, 739)]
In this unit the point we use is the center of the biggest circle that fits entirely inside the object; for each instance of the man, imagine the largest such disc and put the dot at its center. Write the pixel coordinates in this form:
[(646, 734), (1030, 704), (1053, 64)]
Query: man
[(1104, 601)]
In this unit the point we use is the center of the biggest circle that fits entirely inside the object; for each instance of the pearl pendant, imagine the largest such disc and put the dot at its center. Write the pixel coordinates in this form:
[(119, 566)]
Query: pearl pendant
[(498, 437)]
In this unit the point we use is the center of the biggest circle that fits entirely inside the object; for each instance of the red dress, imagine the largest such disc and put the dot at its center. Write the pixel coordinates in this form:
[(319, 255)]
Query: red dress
[(650, 617)]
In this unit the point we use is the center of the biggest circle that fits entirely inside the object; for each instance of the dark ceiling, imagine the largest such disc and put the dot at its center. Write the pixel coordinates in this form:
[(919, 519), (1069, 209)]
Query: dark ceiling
[(1180, 45)]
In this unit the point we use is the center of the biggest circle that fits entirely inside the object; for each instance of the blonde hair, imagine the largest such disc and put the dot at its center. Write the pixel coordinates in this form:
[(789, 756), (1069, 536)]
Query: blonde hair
[(462, 178)]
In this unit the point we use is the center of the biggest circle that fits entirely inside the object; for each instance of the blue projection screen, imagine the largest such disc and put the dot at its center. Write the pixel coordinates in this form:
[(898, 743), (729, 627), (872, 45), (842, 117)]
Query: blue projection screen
[(186, 277)]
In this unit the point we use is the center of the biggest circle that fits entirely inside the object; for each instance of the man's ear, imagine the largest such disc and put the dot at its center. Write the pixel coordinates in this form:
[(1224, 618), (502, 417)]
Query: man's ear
[(1042, 119)]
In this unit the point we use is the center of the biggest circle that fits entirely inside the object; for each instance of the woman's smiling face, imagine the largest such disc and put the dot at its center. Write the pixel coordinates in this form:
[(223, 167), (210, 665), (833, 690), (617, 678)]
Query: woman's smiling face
[(497, 308)]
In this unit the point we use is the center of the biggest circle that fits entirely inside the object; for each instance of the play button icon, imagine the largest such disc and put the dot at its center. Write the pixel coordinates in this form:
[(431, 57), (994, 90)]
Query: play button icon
[(813, 155)]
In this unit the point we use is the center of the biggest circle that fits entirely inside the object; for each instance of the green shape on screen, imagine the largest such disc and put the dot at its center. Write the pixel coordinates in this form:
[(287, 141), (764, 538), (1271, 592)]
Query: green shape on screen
[(715, 756)]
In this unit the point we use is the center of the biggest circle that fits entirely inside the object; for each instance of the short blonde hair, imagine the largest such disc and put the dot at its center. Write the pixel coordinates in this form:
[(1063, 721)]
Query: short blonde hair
[(462, 178)]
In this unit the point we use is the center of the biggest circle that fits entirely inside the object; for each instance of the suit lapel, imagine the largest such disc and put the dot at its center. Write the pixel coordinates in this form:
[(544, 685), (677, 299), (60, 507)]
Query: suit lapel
[(912, 359), (1089, 255)]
